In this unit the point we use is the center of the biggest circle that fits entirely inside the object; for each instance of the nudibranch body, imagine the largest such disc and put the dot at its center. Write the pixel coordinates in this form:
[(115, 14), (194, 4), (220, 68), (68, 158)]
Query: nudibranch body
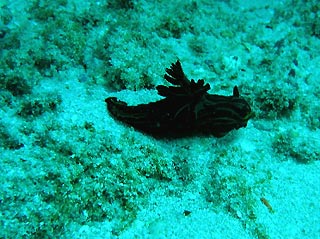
[(187, 109)]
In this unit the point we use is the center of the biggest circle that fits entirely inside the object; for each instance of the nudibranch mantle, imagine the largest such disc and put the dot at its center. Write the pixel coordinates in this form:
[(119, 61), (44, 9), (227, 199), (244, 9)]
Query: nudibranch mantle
[(187, 109)]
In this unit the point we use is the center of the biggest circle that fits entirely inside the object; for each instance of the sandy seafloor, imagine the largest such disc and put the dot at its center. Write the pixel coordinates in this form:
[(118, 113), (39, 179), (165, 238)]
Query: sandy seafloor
[(69, 170)]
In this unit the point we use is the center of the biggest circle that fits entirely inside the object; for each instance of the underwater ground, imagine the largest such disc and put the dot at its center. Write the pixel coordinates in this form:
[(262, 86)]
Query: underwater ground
[(69, 170)]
